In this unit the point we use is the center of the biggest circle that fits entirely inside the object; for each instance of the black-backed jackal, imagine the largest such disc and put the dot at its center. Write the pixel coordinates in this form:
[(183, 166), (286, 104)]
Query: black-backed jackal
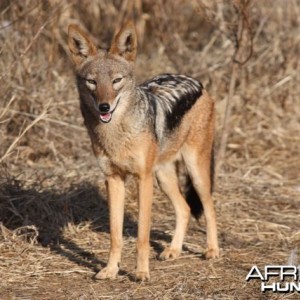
[(145, 130)]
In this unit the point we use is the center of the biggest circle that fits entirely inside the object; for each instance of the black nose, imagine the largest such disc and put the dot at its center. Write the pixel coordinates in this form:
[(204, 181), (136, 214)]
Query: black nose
[(104, 107)]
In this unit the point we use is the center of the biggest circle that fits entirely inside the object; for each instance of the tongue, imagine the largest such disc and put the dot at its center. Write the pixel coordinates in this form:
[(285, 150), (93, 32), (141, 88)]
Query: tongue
[(105, 117)]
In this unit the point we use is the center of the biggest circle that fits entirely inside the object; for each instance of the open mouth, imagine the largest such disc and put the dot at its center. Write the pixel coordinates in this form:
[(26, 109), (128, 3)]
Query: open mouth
[(106, 117)]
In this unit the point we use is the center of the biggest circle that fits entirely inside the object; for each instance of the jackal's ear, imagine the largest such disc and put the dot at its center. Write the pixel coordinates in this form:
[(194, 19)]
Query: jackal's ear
[(125, 42), (80, 45)]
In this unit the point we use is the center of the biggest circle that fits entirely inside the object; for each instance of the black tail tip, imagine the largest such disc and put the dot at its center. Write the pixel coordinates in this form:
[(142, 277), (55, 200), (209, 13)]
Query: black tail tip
[(193, 201), (192, 198)]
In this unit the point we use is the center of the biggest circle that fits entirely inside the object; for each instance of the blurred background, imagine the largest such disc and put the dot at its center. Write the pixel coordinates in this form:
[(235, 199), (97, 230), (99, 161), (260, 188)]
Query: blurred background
[(246, 54)]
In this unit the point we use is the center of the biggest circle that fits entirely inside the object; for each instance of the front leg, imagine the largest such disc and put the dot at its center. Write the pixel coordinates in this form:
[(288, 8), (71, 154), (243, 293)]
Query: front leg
[(143, 247), (116, 195)]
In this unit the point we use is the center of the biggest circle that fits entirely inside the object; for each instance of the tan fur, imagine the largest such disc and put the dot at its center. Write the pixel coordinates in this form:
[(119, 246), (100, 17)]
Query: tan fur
[(129, 50), (121, 149), (78, 55)]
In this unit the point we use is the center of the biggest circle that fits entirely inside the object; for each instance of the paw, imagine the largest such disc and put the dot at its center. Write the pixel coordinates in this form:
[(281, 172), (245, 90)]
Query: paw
[(142, 276), (169, 253), (212, 253), (107, 273)]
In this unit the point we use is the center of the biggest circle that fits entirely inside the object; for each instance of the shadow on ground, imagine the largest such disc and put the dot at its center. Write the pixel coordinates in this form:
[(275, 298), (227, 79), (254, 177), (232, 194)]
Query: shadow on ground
[(50, 210)]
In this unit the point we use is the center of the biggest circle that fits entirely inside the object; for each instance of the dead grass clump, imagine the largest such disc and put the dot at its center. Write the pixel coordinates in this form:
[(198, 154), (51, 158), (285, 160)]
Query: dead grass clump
[(44, 213)]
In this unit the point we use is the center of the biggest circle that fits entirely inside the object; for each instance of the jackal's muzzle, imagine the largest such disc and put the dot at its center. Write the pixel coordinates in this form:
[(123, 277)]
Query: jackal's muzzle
[(106, 112)]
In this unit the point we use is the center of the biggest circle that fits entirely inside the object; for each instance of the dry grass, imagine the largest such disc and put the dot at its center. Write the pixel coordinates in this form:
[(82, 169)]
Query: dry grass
[(54, 223)]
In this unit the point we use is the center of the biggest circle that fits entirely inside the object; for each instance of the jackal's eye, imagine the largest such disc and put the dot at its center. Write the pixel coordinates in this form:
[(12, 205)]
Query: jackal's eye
[(91, 84), (91, 81), (117, 80)]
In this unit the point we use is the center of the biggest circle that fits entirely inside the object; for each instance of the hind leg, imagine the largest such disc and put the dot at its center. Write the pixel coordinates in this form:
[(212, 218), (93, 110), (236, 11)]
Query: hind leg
[(168, 182), (198, 165)]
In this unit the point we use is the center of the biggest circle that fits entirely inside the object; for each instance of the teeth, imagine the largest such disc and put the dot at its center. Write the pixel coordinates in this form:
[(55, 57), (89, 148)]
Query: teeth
[(105, 117)]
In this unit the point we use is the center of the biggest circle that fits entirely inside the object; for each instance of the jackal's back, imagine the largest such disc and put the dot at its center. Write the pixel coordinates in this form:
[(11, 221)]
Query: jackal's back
[(170, 97)]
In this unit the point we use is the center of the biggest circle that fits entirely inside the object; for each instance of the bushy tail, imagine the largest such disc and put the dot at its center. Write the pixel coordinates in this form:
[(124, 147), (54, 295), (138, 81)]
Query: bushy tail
[(191, 196), (193, 200)]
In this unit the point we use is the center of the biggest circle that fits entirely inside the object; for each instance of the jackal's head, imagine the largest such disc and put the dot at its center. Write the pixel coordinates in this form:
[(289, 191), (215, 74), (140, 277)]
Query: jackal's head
[(105, 78)]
